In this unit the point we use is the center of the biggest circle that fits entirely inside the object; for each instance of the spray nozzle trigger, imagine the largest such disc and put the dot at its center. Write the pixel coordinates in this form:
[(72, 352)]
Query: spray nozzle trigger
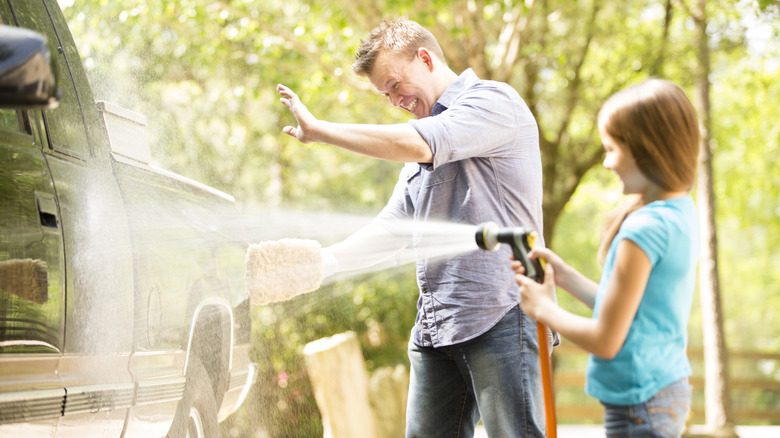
[(490, 236)]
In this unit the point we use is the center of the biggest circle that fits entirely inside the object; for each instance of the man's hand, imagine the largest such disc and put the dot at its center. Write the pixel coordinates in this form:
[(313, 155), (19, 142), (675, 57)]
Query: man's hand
[(305, 119), (398, 142)]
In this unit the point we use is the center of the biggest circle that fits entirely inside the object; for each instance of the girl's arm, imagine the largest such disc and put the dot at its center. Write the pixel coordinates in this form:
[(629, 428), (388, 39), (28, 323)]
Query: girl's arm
[(605, 335)]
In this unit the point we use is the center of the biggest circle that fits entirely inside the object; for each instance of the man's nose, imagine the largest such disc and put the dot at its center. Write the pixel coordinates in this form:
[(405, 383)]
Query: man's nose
[(395, 99)]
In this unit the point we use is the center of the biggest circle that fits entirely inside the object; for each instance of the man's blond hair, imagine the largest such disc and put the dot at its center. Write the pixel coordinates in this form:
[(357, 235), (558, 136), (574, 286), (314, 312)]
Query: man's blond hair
[(400, 36)]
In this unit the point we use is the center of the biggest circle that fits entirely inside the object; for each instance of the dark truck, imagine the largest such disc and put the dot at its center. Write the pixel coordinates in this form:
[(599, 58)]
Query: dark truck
[(123, 310)]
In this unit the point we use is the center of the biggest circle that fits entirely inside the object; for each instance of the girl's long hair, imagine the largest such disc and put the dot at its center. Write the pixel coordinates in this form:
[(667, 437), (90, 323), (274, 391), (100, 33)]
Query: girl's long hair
[(657, 123)]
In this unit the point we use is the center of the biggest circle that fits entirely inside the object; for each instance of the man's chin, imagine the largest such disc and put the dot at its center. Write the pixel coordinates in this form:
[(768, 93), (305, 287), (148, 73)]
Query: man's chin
[(420, 114)]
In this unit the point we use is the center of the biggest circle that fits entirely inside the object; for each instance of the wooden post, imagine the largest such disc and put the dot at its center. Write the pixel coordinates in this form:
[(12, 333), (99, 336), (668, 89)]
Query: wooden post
[(338, 375), (387, 391)]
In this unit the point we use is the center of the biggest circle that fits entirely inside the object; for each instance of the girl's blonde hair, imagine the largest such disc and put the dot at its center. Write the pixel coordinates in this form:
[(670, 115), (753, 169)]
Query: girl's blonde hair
[(657, 123)]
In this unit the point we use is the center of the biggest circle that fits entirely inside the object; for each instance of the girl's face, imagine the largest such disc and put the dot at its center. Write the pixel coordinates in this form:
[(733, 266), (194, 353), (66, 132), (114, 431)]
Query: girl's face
[(620, 161)]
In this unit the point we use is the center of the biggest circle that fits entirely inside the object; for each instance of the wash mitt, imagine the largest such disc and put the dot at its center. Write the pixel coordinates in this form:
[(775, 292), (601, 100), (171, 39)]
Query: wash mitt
[(282, 269)]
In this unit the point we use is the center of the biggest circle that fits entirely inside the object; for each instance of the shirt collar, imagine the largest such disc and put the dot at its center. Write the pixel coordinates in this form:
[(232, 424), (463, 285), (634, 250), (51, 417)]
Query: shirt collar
[(464, 81)]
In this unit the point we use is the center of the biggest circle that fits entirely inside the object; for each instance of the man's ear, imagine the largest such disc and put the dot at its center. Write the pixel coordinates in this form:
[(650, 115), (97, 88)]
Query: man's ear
[(426, 57)]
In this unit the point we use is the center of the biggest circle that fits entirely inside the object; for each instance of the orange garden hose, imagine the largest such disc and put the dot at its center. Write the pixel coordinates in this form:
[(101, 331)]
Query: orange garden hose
[(551, 425), (545, 359)]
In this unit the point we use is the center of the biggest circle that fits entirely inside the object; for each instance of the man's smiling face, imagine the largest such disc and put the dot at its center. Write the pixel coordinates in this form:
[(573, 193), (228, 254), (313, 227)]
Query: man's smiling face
[(406, 82)]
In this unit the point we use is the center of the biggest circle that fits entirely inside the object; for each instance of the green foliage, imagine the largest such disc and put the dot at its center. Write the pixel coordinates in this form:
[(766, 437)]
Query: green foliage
[(379, 307), (577, 239), (747, 138)]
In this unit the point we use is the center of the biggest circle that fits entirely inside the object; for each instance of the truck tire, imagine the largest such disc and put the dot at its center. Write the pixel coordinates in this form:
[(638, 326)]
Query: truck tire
[(196, 414)]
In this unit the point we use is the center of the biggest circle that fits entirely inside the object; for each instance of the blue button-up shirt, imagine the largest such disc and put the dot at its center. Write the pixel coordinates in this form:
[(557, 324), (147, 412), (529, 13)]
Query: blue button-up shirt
[(486, 167)]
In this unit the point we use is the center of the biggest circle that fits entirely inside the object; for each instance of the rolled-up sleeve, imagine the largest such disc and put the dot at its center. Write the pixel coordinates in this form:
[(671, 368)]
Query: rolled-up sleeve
[(479, 125)]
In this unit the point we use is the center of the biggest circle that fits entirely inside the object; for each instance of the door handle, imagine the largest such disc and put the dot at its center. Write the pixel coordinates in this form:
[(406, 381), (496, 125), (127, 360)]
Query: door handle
[(47, 210)]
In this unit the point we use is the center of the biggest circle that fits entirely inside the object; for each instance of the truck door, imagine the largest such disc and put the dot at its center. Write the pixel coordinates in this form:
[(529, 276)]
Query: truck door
[(98, 291), (32, 302)]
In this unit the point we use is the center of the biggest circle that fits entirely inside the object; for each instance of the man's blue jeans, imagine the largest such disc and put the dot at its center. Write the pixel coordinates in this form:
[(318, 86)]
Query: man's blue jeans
[(496, 375), (663, 415)]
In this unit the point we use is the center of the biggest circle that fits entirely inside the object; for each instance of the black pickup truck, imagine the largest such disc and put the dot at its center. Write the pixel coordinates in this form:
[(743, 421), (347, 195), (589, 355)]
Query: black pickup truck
[(123, 310)]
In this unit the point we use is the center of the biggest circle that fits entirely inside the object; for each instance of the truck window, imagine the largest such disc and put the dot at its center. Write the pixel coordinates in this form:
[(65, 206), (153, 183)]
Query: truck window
[(9, 120), (65, 124), (15, 121)]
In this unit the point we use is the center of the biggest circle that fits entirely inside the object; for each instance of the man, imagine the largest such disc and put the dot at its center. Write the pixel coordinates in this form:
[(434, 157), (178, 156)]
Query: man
[(472, 156)]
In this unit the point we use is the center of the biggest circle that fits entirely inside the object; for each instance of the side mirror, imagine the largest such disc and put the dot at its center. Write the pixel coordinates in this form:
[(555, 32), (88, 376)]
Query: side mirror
[(27, 78)]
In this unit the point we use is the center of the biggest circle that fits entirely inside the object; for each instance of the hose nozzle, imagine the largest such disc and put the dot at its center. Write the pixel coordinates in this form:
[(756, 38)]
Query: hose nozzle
[(490, 236)]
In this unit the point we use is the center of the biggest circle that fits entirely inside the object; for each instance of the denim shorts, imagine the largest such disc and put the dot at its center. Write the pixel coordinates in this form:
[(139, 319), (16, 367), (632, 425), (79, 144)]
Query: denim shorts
[(663, 415)]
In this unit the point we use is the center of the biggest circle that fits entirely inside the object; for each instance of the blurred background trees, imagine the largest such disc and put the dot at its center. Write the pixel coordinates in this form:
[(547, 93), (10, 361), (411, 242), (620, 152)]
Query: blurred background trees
[(204, 73)]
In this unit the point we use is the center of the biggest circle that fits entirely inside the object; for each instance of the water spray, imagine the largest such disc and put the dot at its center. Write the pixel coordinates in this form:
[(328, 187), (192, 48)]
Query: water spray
[(490, 236), (280, 270)]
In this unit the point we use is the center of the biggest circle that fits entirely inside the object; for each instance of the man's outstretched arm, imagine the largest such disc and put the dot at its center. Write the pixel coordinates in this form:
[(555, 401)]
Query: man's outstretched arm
[(393, 142)]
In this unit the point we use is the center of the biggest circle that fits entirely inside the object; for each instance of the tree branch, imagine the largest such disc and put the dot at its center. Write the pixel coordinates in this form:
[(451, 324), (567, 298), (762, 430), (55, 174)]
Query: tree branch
[(365, 13), (684, 6), (574, 85), (476, 41), (513, 37), (655, 69)]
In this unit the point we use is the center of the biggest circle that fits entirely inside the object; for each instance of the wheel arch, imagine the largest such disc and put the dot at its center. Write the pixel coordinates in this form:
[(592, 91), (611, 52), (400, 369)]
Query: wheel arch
[(211, 340)]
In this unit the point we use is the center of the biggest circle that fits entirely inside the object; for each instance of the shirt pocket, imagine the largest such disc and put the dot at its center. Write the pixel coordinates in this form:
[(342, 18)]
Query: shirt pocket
[(443, 174)]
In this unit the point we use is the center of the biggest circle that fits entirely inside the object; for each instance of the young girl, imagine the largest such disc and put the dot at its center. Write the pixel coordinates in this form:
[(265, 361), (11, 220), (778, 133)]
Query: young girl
[(637, 337)]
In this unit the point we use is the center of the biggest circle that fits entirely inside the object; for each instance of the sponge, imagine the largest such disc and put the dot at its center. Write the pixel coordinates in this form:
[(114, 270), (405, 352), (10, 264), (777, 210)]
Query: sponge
[(282, 269)]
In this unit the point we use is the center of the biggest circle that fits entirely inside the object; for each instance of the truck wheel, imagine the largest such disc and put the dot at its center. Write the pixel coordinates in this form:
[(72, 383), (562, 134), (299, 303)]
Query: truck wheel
[(196, 414)]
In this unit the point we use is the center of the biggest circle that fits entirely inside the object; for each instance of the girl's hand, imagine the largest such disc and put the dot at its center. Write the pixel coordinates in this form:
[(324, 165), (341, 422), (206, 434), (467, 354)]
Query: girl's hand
[(536, 298), (551, 259)]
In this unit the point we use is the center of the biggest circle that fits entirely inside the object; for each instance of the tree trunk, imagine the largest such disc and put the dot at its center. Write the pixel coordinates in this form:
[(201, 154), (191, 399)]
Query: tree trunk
[(716, 391), (340, 381), (388, 388)]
